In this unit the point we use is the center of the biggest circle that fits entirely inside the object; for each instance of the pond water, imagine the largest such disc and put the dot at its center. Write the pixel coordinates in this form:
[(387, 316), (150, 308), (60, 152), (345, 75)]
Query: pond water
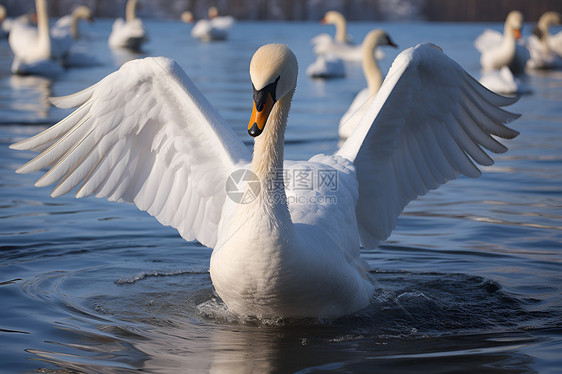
[(469, 281)]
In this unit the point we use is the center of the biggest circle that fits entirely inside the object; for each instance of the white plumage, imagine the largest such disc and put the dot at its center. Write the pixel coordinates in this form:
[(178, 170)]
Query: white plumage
[(145, 134)]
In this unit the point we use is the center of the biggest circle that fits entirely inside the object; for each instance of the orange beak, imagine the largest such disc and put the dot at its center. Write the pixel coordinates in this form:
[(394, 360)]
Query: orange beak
[(517, 33), (260, 116), (323, 20)]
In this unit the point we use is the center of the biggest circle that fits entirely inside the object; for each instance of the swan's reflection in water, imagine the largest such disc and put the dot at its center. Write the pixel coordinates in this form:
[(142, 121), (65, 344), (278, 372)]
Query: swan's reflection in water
[(168, 322), (289, 349), (28, 97)]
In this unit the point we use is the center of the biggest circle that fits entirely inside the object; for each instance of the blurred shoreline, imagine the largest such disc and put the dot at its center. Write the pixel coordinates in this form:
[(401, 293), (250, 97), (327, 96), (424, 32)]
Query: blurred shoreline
[(308, 10)]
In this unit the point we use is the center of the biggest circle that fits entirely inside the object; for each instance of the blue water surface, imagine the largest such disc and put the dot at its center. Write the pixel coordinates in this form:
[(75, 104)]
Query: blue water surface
[(469, 281)]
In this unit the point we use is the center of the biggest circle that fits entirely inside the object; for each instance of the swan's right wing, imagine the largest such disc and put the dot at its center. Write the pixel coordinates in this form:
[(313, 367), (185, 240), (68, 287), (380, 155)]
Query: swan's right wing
[(427, 121), (144, 135), (487, 40)]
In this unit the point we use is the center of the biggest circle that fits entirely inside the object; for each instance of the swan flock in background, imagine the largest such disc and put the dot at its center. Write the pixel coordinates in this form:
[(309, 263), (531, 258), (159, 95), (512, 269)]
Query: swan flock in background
[(146, 135), (215, 28)]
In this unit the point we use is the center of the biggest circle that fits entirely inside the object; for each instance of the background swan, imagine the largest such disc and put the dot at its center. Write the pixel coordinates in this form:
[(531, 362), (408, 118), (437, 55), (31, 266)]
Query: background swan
[(499, 50), (33, 51), (146, 135), (374, 78), (545, 49), (187, 17), (339, 46), (70, 24), (128, 33), (326, 66), (66, 34), (215, 28)]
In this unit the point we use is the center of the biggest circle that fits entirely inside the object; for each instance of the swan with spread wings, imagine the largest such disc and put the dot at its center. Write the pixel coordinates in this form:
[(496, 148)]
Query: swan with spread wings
[(146, 135)]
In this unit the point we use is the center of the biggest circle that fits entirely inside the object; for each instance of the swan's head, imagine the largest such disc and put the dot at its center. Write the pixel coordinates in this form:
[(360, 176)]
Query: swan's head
[(83, 12), (187, 17), (333, 17), (273, 71), (515, 21), (213, 12), (377, 38)]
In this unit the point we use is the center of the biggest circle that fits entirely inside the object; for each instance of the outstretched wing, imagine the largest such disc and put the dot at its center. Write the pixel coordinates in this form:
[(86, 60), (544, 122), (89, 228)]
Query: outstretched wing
[(145, 135), (427, 119)]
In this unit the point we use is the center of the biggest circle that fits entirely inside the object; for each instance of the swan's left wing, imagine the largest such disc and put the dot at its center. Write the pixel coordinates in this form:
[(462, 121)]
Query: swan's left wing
[(145, 135), (427, 119)]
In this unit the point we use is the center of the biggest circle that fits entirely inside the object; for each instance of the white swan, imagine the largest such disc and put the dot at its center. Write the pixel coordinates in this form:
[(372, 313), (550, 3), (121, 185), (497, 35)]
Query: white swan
[(499, 50), (146, 135), (503, 82), (34, 53), (374, 78), (128, 33), (340, 46), (545, 49), (65, 34), (215, 28), (187, 17), (326, 66), (69, 24)]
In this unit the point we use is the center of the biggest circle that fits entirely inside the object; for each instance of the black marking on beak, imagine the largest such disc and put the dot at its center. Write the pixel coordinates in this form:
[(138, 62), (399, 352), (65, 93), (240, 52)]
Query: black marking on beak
[(254, 130), (390, 42), (260, 97)]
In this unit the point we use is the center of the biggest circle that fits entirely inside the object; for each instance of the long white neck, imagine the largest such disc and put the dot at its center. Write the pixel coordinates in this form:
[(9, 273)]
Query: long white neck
[(508, 33), (43, 31), (371, 69), (130, 10), (74, 25), (508, 42), (544, 26), (267, 164), (341, 29)]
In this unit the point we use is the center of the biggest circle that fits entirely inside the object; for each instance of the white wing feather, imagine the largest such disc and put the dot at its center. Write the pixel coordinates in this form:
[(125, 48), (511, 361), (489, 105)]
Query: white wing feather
[(427, 119), (145, 135)]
